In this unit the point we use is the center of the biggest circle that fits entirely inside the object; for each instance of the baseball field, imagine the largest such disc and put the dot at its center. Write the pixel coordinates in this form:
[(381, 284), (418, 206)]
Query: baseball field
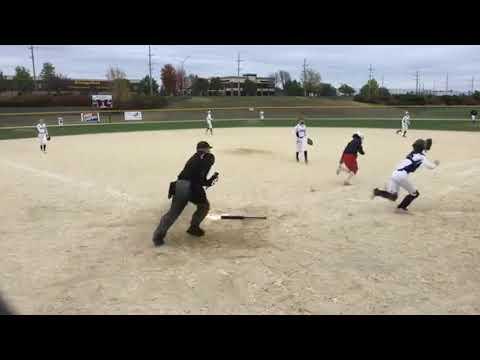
[(76, 223)]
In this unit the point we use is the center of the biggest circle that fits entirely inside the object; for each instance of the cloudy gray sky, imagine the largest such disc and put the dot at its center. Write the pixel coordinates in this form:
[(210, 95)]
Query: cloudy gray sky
[(397, 64)]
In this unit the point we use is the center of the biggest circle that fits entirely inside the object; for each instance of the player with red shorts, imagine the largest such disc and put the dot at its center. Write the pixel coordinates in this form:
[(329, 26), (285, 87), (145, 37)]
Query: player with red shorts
[(348, 161)]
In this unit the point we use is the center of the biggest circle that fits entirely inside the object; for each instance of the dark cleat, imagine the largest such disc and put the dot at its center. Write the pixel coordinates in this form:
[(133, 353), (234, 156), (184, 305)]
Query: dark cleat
[(158, 239), (195, 231)]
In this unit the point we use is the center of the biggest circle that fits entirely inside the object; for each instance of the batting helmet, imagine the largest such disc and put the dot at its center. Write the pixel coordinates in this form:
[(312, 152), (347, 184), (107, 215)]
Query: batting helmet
[(419, 145)]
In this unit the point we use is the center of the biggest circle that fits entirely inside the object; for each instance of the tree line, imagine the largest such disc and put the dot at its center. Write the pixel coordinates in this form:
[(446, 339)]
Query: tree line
[(174, 82)]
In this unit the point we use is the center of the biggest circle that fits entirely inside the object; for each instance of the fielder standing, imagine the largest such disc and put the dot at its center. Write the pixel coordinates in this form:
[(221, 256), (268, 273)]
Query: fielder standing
[(42, 135), (405, 124), (301, 140), (399, 178), (60, 121), (262, 117), (348, 160), (209, 123), (473, 115)]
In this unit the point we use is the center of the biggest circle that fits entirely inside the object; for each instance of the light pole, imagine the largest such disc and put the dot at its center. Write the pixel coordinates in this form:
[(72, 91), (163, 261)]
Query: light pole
[(183, 74)]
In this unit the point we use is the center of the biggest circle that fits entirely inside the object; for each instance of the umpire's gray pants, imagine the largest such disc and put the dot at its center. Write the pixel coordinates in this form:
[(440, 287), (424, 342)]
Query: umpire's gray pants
[(179, 201)]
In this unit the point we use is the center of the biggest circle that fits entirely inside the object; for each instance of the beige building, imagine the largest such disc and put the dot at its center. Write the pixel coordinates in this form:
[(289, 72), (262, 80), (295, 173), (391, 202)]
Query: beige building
[(230, 85)]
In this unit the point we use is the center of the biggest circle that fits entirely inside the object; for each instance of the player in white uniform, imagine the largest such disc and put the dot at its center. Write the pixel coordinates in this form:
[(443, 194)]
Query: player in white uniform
[(301, 140), (399, 178), (473, 115), (262, 117), (209, 123), (405, 124), (60, 121), (42, 135)]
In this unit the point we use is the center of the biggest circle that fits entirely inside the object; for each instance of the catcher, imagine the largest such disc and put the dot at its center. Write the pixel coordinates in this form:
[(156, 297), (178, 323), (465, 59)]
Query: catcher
[(399, 178), (189, 188), (348, 160)]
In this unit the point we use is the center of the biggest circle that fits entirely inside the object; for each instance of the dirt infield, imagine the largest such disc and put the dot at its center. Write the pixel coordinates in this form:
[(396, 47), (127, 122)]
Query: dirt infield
[(76, 227)]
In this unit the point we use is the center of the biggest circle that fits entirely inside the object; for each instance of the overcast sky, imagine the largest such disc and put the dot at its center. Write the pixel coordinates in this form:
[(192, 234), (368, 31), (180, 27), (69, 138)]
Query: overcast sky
[(397, 64)]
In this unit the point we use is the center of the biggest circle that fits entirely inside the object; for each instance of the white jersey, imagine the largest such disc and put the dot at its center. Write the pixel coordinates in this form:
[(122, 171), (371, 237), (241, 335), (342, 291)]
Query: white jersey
[(406, 121), (209, 116), (301, 137), (42, 129), (261, 115)]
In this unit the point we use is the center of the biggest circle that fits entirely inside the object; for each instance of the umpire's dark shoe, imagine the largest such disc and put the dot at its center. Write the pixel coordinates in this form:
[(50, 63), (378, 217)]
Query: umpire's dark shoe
[(158, 239), (195, 231)]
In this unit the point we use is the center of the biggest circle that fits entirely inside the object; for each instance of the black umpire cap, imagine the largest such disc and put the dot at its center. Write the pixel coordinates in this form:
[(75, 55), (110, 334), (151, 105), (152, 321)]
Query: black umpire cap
[(203, 145)]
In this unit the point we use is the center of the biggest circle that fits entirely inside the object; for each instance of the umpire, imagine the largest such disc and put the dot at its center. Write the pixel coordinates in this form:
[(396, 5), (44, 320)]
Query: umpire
[(189, 187)]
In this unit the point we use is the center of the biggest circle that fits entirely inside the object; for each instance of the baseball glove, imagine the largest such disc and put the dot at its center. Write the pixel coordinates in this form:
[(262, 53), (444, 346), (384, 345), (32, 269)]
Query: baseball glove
[(48, 137), (309, 141), (428, 144)]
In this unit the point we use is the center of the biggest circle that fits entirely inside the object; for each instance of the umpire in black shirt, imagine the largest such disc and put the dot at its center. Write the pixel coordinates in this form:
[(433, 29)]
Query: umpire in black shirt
[(189, 187)]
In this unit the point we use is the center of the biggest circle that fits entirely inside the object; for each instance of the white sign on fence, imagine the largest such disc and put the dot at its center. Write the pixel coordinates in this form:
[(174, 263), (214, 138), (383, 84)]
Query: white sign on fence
[(102, 101), (133, 115), (90, 117)]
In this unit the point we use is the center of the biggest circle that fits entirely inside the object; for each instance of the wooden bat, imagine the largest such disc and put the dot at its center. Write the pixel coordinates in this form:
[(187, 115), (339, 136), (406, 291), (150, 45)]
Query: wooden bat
[(240, 217)]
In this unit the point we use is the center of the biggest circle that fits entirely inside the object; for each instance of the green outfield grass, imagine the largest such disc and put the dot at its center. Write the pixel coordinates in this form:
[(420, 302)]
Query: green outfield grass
[(16, 133)]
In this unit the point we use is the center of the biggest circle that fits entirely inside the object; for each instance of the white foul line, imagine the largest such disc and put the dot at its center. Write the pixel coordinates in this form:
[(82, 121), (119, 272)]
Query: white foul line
[(119, 195)]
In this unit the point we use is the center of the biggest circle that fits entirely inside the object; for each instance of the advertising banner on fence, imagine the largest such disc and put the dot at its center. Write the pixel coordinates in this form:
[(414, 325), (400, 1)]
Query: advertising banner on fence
[(90, 117), (102, 101), (133, 115)]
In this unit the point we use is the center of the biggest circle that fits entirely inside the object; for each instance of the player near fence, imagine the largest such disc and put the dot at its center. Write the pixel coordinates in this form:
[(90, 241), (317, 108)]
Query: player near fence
[(399, 178), (262, 115), (209, 120), (405, 124), (60, 121), (473, 115), (301, 140), (43, 136), (189, 187), (348, 160)]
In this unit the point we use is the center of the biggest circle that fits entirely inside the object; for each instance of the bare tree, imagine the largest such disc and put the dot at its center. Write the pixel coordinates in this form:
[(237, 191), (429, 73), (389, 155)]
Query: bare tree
[(312, 81), (115, 73), (284, 77), (120, 85)]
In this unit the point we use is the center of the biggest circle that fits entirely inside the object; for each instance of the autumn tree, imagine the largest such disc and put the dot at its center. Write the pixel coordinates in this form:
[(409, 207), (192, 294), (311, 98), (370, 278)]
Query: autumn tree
[(169, 79)]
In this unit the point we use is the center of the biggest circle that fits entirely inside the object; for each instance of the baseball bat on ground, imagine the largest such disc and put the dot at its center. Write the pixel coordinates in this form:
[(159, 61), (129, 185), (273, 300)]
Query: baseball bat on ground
[(240, 217)]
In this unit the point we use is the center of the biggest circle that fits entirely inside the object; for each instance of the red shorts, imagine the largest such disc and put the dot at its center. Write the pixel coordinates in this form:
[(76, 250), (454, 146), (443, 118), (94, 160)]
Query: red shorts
[(350, 162)]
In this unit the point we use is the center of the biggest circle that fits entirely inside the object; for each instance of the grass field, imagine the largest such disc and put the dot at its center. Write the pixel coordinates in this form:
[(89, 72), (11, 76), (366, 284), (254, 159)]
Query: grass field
[(28, 132), (228, 108)]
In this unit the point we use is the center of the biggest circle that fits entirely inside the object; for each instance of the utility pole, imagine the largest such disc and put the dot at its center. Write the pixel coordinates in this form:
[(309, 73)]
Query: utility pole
[(183, 74), (446, 85), (382, 81), (473, 84), (32, 56), (370, 77), (150, 68), (416, 83), (304, 76), (238, 72)]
